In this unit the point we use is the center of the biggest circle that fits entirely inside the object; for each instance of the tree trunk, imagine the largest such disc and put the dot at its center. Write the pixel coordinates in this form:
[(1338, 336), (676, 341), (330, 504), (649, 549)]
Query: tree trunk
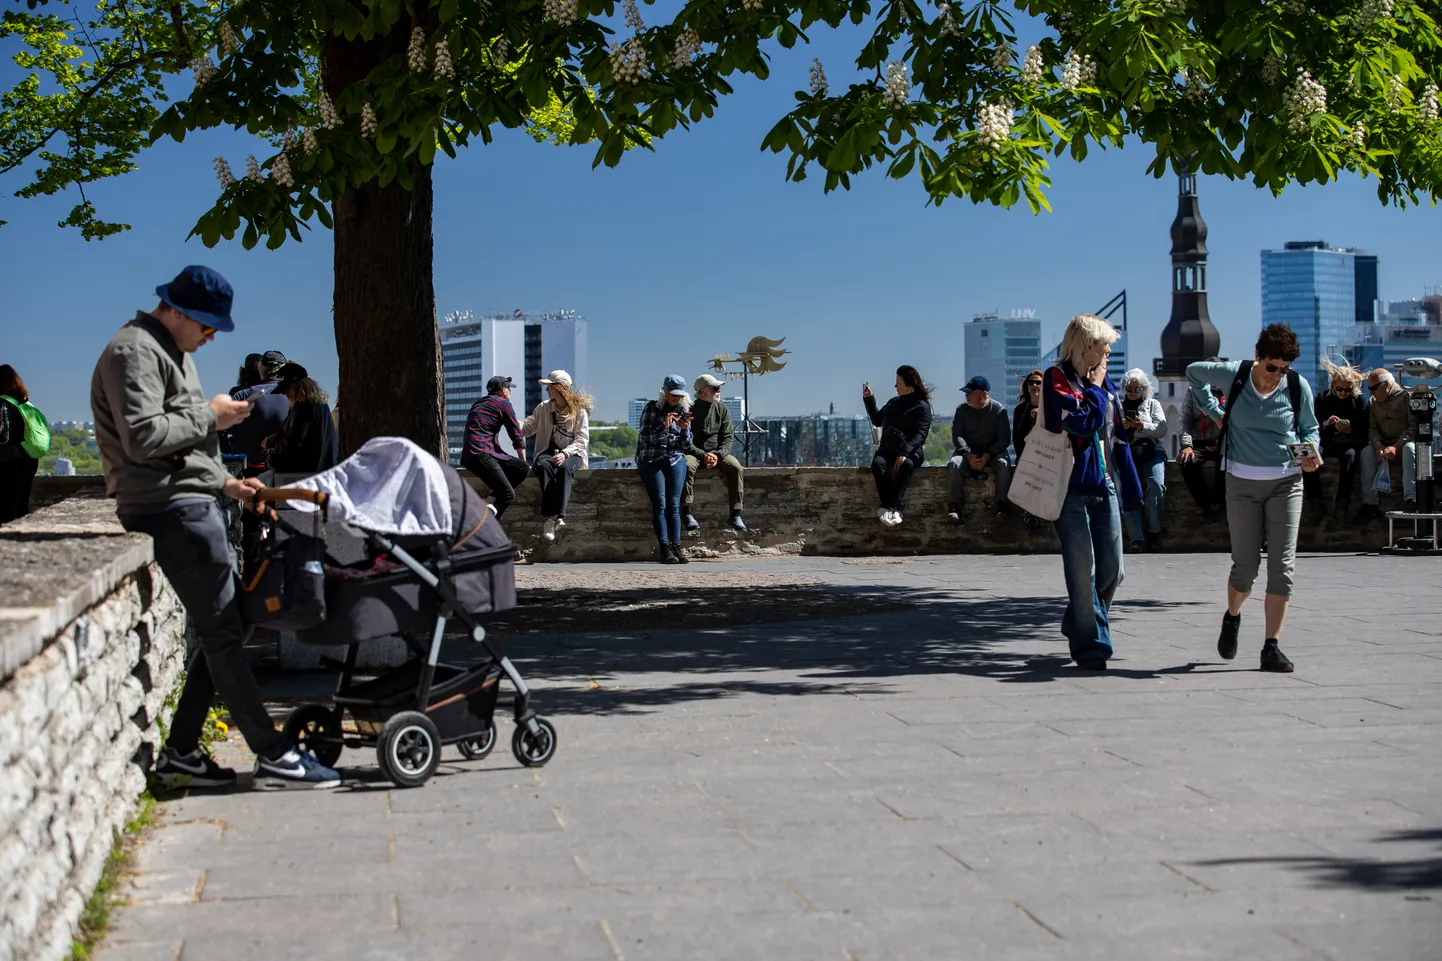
[(385, 316)]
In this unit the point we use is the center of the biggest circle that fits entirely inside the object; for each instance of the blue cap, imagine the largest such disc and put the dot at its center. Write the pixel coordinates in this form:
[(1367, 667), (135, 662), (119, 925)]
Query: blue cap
[(202, 295), (673, 385), (977, 383)]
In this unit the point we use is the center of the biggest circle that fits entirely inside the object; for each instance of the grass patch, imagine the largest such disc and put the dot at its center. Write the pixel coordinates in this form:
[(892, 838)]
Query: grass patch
[(95, 919)]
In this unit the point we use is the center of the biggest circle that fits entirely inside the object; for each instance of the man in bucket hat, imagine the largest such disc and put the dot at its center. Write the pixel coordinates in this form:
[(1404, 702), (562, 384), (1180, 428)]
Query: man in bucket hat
[(159, 449)]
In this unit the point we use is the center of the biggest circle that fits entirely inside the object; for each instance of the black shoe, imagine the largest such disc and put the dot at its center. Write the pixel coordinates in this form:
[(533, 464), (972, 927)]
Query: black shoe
[(1154, 541), (737, 523), (1138, 547), (1368, 513), (666, 556), (1227, 640), (1096, 665), (679, 554), (1273, 659), (196, 769), (689, 521), (1409, 506)]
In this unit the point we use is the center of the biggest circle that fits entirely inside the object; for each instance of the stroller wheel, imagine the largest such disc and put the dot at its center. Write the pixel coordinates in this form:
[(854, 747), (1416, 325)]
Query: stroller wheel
[(409, 749), (315, 728), (533, 750), (475, 748)]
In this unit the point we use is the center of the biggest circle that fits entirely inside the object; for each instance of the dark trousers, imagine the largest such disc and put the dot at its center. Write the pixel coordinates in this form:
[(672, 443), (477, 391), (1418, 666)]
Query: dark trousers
[(15, 480), (1349, 464), (501, 475), (191, 549), (890, 488), (1207, 494), (555, 482), (664, 480)]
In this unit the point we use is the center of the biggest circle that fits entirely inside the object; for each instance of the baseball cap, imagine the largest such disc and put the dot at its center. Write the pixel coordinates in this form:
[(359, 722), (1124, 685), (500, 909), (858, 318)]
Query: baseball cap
[(498, 383), (271, 362), (202, 295), (557, 377), (977, 383), (673, 385), (706, 380)]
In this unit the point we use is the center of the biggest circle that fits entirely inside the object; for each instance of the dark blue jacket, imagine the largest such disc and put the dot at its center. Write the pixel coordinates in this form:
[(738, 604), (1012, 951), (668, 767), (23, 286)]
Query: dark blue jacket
[(1072, 405)]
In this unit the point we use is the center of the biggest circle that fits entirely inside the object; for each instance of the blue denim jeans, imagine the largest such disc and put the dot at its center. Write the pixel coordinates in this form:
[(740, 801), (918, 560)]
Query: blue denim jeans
[(664, 480), (1154, 479), (1090, 531)]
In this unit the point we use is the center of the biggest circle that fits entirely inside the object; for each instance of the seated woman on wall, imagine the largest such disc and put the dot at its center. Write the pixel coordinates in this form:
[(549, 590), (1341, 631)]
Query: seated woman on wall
[(307, 442), (905, 420), (1023, 419), (1344, 420), (561, 425), (1146, 426), (662, 439)]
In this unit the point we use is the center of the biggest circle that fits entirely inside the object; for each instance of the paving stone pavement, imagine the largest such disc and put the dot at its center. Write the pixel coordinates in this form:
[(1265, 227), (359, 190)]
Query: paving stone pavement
[(926, 783)]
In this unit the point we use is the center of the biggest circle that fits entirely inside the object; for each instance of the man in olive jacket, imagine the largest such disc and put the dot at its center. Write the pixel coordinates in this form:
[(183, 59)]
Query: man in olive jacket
[(159, 449), (711, 435)]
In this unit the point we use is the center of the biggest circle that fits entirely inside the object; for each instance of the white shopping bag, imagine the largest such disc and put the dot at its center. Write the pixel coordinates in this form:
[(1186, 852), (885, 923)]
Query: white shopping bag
[(1039, 483), (1383, 484)]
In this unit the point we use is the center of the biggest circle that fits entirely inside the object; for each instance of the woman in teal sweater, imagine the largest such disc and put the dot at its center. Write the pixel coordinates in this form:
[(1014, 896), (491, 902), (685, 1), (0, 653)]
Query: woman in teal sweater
[(1264, 486)]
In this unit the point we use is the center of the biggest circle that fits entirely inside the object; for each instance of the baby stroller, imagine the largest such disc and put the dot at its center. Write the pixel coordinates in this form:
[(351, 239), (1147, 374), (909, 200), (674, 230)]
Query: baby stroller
[(408, 545)]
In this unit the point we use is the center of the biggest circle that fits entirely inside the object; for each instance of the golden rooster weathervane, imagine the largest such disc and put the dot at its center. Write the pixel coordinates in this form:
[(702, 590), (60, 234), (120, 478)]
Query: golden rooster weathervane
[(761, 356)]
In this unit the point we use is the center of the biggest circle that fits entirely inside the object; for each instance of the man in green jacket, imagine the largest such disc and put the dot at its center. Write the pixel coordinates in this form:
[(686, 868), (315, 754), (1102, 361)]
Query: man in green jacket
[(711, 436), (160, 451)]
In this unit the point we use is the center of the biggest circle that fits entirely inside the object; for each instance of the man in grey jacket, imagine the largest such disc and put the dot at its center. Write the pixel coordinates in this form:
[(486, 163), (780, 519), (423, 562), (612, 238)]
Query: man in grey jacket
[(159, 449), (981, 435)]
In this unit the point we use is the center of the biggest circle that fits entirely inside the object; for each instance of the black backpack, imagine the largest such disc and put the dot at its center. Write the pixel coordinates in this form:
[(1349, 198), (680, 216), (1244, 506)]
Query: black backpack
[(1294, 394)]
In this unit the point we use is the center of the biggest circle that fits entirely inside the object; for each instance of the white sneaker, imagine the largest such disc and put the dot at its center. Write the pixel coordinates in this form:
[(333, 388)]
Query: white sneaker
[(548, 529), (491, 506), (560, 523), (882, 514), (895, 519)]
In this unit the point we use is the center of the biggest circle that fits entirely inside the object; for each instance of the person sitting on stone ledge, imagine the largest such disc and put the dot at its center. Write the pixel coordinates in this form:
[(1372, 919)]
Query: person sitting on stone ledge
[(1201, 442), (1023, 419), (1389, 434), (980, 436), (905, 420), (711, 438), (662, 438), (561, 425), (1344, 418), (1146, 425), (160, 454), (483, 456)]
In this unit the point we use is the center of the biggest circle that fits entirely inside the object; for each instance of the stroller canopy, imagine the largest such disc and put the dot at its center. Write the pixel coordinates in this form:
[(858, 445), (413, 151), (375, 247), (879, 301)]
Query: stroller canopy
[(389, 486)]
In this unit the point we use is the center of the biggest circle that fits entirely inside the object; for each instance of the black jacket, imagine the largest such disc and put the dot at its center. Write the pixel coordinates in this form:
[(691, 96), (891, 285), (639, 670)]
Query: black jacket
[(1021, 424), (307, 442), (1352, 408), (905, 421)]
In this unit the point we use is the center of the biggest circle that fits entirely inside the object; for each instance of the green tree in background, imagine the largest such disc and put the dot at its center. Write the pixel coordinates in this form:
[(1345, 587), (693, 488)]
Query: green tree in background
[(77, 446), (613, 443), (357, 96)]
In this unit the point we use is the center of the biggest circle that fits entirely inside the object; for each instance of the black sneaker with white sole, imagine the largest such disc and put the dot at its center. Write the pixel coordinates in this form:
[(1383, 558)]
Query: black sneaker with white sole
[(293, 769), (1227, 639), (196, 769)]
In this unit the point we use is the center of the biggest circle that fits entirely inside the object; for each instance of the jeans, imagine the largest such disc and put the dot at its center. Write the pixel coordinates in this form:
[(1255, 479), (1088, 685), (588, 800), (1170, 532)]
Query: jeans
[(192, 551), (555, 482), (1371, 464), (1153, 472), (1207, 495), (664, 479), (1273, 507), (1090, 531), (958, 472), (730, 469), (501, 475), (1349, 462), (891, 488)]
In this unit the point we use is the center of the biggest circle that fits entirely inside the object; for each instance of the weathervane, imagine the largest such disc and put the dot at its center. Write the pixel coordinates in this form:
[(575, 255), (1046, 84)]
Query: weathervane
[(760, 357)]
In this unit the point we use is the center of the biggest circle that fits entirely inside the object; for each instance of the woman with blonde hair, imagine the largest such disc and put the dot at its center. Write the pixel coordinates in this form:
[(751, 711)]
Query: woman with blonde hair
[(561, 425), (307, 442), (1343, 417), (1078, 399)]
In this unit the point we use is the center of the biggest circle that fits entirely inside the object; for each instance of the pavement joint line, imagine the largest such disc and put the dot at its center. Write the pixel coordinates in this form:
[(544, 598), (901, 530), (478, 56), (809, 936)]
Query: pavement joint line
[(388, 804), (391, 845), (836, 769), (1204, 794), (1120, 758), (556, 813), (805, 903), (395, 912), (1302, 719), (943, 849), (891, 809), (200, 886), (576, 860), (1091, 824), (1183, 874), (1305, 946), (1383, 703), (1038, 921), (611, 938), (895, 718)]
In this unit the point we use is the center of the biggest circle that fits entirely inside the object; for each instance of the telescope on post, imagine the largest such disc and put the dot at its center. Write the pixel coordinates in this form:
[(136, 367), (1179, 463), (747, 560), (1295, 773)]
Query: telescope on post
[(1422, 402)]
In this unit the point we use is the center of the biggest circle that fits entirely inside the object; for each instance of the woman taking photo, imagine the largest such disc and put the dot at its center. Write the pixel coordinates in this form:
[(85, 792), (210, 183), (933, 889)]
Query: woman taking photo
[(17, 467), (1078, 399), (561, 425), (905, 421), (662, 439), (1271, 408), (1343, 418), (1146, 425)]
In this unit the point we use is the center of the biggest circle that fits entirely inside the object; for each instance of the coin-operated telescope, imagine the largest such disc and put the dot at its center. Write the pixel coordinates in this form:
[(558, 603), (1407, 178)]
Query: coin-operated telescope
[(1422, 402)]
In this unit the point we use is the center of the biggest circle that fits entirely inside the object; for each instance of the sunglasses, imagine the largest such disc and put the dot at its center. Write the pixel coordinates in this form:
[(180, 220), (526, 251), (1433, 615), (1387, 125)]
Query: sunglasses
[(1277, 368), (206, 331), (1033, 384)]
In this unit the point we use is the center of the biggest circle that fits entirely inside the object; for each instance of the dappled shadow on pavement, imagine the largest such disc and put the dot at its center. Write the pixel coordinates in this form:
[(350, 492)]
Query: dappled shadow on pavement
[(1373, 873)]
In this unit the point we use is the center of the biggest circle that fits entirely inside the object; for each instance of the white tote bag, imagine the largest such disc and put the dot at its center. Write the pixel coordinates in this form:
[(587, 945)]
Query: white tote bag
[(1039, 483)]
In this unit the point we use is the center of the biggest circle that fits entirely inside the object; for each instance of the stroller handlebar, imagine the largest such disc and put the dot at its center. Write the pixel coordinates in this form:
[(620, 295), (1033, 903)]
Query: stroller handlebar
[(271, 495)]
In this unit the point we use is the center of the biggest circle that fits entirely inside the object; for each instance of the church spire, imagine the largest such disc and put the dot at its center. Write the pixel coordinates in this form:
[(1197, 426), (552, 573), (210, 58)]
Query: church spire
[(1189, 335)]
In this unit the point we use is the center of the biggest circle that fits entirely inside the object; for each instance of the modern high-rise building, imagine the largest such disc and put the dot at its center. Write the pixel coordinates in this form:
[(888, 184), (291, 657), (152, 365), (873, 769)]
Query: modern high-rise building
[(1322, 293), (634, 409), (523, 346), (1003, 350)]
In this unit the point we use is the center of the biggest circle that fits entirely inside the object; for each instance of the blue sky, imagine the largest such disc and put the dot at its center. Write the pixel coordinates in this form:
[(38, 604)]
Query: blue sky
[(691, 251)]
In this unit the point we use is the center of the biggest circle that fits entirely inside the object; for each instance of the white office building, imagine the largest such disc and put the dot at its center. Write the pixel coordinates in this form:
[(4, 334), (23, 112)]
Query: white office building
[(1003, 350), (522, 345)]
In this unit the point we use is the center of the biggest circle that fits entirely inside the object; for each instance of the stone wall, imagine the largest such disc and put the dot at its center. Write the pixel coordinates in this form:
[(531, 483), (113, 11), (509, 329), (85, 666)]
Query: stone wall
[(91, 645)]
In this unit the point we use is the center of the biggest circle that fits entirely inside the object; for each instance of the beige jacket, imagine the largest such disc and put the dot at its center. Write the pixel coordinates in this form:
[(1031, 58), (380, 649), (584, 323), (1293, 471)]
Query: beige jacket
[(1390, 420), (541, 424)]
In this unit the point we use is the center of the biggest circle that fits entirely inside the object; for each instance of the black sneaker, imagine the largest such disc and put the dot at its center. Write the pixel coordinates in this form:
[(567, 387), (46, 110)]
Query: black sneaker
[(1154, 541), (1273, 659), (1096, 665), (689, 521), (737, 523), (293, 769), (1138, 547), (196, 769), (1227, 640), (679, 554)]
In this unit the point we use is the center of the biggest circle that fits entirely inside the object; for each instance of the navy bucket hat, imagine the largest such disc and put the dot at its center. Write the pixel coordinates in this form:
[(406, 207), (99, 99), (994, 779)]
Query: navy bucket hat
[(201, 294)]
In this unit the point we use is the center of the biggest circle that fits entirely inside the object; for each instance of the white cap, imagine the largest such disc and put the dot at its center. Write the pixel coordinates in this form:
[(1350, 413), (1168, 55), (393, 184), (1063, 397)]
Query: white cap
[(706, 380), (557, 377)]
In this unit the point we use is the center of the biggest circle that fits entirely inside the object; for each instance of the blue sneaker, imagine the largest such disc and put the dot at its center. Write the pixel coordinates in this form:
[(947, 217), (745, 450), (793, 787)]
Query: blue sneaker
[(293, 769)]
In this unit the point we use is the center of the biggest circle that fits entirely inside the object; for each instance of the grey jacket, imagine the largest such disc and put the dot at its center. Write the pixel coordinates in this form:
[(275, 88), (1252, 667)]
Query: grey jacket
[(984, 431), (1198, 430), (153, 424)]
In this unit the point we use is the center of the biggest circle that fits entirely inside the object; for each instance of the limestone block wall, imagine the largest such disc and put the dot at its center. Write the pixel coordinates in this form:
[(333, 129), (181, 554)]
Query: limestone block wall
[(92, 639)]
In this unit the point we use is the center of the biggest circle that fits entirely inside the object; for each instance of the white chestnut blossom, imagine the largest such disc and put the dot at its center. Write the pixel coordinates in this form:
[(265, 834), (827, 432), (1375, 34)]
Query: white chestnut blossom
[(993, 124), (368, 121), (280, 172), (1395, 89), (1371, 12), (818, 78), (897, 88), (444, 67), (752, 6), (628, 62), (1272, 69), (287, 139), (1194, 88), (1079, 70), (252, 169), (1001, 56), (1033, 65), (501, 52), (203, 69), (688, 47), (562, 13), (1174, 7), (1359, 136), (1427, 104), (328, 117), (948, 22), (1305, 99), (416, 52), (229, 46), (308, 139), (633, 16), (222, 172)]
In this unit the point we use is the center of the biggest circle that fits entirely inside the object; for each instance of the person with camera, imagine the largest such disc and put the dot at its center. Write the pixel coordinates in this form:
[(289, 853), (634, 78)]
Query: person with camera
[(905, 420), (662, 439), (1146, 424), (1343, 416)]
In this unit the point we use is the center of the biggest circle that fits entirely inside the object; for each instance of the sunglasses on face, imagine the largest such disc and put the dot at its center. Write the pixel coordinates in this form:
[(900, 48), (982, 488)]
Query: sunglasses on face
[(1277, 368), (1033, 384), (206, 331)]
